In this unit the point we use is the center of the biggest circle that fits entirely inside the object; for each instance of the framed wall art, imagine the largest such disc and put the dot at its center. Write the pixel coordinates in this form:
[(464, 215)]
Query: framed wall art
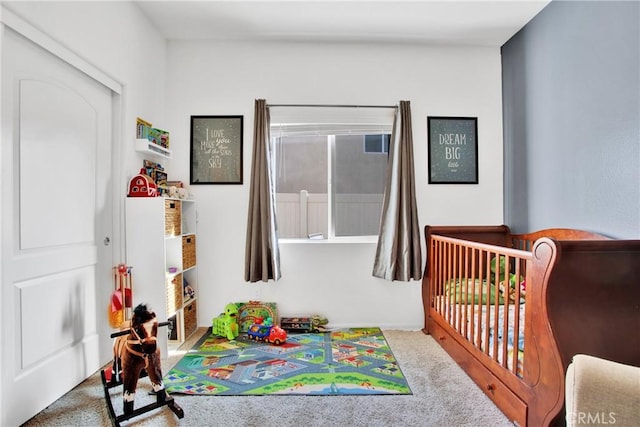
[(453, 150), (216, 150)]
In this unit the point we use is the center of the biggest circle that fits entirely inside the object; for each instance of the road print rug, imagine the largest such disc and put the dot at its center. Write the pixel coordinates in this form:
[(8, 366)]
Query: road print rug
[(350, 361)]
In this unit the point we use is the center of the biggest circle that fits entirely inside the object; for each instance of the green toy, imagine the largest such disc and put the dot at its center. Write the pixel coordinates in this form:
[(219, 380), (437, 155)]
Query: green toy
[(319, 323), (501, 268), (514, 280), (226, 324)]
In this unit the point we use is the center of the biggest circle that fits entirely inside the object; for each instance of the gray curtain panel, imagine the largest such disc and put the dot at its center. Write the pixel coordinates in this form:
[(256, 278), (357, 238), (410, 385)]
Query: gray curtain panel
[(399, 255), (262, 253)]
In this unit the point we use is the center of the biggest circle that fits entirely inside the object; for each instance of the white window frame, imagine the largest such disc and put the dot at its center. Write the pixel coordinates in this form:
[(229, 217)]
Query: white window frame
[(328, 121)]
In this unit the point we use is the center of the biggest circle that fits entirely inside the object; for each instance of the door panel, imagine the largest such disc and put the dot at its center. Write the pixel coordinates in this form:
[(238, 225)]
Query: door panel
[(42, 298), (56, 123), (56, 212)]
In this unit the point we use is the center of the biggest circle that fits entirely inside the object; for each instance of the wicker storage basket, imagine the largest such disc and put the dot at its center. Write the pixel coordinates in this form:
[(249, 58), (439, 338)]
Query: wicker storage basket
[(188, 251), (174, 293), (190, 319), (172, 217)]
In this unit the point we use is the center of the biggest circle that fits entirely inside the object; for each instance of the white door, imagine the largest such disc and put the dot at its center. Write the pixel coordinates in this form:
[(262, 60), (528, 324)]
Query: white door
[(56, 215)]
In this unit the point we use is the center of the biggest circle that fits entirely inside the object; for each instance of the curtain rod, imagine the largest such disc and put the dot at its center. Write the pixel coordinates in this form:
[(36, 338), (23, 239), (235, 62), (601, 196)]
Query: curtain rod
[(332, 105)]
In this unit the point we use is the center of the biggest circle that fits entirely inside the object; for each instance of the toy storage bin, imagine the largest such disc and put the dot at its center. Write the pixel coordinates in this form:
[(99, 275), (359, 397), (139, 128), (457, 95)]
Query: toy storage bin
[(190, 319), (188, 251), (174, 293), (172, 220)]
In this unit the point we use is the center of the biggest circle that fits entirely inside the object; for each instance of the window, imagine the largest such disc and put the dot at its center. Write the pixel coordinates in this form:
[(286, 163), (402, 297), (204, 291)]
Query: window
[(330, 173), (377, 143)]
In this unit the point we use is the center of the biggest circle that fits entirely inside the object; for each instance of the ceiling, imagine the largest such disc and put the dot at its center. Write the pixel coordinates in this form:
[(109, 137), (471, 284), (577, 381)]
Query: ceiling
[(472, 22)]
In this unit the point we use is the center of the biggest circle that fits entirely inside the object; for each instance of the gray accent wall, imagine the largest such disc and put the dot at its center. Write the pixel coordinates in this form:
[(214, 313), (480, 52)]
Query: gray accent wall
[(571, 100)]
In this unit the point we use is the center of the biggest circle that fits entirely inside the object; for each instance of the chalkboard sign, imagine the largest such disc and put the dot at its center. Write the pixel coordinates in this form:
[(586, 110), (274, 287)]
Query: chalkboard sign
[(453, 150), (216, 149)]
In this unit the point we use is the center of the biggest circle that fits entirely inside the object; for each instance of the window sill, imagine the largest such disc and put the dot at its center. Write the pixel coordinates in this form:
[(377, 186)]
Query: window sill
[(340, 240)]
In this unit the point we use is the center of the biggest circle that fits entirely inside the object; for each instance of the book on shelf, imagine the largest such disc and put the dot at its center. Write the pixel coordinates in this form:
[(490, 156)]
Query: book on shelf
[(144, 130)]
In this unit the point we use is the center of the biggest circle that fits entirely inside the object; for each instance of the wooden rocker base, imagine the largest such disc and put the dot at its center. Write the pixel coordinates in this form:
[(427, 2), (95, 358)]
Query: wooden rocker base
[(109, 382)]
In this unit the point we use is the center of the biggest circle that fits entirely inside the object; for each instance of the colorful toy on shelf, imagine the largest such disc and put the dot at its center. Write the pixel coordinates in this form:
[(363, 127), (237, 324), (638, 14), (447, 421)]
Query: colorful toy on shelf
[(142, 185), (267, 332), (178, 192), (314, 324), (226, 324), (187, 290)]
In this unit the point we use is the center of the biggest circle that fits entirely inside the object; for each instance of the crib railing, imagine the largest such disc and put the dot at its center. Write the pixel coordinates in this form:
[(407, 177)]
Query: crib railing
[(480, 291)]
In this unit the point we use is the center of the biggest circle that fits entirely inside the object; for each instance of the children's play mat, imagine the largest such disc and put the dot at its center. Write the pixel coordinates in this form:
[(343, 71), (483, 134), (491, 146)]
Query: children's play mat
[(341, 362)]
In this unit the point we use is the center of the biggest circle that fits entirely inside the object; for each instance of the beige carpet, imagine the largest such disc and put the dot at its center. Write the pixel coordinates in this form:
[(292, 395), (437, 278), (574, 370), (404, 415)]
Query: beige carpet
[(443, 395)]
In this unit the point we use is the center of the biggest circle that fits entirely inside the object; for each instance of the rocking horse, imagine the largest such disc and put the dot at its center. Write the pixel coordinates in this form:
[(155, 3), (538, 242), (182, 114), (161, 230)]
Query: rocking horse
[(136, 355)]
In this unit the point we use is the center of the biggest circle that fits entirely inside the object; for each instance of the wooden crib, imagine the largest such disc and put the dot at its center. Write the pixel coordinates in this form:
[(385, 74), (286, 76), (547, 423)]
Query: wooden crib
[(513, 309)]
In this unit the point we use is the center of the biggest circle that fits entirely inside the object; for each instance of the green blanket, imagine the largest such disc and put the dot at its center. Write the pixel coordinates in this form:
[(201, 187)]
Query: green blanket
[(463, 291)]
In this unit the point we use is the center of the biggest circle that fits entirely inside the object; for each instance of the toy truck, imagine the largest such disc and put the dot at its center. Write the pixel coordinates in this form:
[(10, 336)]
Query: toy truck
[(313, 324), (267, 333)]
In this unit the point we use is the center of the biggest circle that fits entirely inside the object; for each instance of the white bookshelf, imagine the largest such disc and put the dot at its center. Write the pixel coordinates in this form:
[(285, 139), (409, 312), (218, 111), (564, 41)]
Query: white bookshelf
[(155, 242)]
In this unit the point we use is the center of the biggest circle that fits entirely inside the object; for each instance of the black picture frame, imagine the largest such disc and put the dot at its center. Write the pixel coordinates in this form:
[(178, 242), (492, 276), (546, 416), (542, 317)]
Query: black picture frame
[(452, 150), (216, 150)]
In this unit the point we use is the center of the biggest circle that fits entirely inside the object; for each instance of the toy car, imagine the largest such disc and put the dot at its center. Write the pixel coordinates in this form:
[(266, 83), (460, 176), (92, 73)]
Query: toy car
[(271, 334), (315, 324)]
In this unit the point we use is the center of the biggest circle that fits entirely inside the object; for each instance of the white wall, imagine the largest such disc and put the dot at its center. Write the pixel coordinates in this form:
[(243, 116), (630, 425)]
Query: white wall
[(332, 279)]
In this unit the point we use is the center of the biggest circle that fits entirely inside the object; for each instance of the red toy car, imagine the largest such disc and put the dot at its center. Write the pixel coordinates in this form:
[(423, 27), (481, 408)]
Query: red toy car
[(271, 334)]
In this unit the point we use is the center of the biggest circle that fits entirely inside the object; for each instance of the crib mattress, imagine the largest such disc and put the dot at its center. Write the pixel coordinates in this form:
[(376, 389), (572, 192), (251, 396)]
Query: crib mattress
[(484, 327)]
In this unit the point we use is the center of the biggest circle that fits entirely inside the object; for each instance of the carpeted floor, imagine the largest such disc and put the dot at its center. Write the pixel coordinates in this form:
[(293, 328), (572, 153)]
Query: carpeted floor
[(443, 395)]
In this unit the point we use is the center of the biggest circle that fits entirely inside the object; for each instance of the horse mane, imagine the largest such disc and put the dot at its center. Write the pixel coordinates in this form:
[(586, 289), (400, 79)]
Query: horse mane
[(142, 315)]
